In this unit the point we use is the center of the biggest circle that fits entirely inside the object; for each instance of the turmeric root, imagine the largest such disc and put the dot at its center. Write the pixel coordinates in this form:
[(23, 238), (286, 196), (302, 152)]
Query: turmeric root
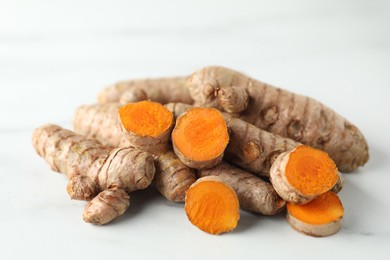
[(212, 205), (172, 177), (147, 125), (200, 137), (281, 112), (162, 90), (320, 217), (250, 147), (95, 170), (253, 193), (106, 206), (100, 122), (301, 175)]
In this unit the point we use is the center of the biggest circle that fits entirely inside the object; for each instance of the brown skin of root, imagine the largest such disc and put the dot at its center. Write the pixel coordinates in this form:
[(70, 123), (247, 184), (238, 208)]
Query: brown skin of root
[(281, 112), (339, 184), (300, 186), (250, 147), (100, 122), (212, 205), (162, 90), (200, 137), (254, 194), (90, 166), (323, 230), (106, 206), (172, 177)]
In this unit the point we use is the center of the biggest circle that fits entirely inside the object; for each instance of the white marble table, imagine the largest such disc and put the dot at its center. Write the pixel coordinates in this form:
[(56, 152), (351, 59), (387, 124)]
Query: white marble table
[(56, 55)]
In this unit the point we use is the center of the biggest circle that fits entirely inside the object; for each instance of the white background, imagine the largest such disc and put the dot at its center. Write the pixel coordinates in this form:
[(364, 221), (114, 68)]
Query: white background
[(57, 55)]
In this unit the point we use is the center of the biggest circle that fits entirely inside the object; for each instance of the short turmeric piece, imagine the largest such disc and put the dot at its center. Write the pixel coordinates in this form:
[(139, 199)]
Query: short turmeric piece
[(200, 137), (302, 174), (212, 205), (147, 125), (320, 217)]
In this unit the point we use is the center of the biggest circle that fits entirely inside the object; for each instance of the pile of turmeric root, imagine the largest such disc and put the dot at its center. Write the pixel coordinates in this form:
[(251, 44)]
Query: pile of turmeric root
[(218, 141)]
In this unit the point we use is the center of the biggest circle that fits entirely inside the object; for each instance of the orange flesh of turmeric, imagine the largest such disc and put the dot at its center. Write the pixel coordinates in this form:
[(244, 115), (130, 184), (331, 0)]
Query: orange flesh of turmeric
[(212, 206), (201, 134), (324, 209), (311, 171), (146, 118)]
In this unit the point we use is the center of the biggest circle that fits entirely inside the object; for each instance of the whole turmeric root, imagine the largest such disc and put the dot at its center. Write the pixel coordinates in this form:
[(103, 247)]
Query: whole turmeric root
[(253, 193), (162, 90), (102, 175), (172, 177), (281, 112)]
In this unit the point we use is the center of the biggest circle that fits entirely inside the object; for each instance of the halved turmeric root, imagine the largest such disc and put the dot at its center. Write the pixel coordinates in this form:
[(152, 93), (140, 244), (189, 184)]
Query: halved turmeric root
[(200, 137), (320, 217), (147, 125), (212, 205), (302, 174)]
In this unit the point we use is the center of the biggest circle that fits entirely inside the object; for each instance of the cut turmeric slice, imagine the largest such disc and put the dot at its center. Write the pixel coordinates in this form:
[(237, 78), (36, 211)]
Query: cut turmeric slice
[(200, 137), (320, 217), (147, 125), (302, 174), (212, 205)]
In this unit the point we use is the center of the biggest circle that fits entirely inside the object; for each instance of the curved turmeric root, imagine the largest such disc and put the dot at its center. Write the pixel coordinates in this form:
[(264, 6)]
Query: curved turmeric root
[(253, 193), (320, 217), (200, 137), (302, 174), (106, 206), (93, 168), (162, 90), (212, 205), (147, 125), (281, 112)]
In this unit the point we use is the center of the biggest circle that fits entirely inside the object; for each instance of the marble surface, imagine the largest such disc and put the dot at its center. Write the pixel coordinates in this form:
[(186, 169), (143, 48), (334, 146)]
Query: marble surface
[(56, 55)]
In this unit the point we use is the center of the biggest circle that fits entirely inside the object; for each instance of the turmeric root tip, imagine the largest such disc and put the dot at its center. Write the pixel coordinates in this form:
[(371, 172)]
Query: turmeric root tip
[(106, 206), (200, 137), (320, 217), (302, 174), (212, 205), (147, 125)]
